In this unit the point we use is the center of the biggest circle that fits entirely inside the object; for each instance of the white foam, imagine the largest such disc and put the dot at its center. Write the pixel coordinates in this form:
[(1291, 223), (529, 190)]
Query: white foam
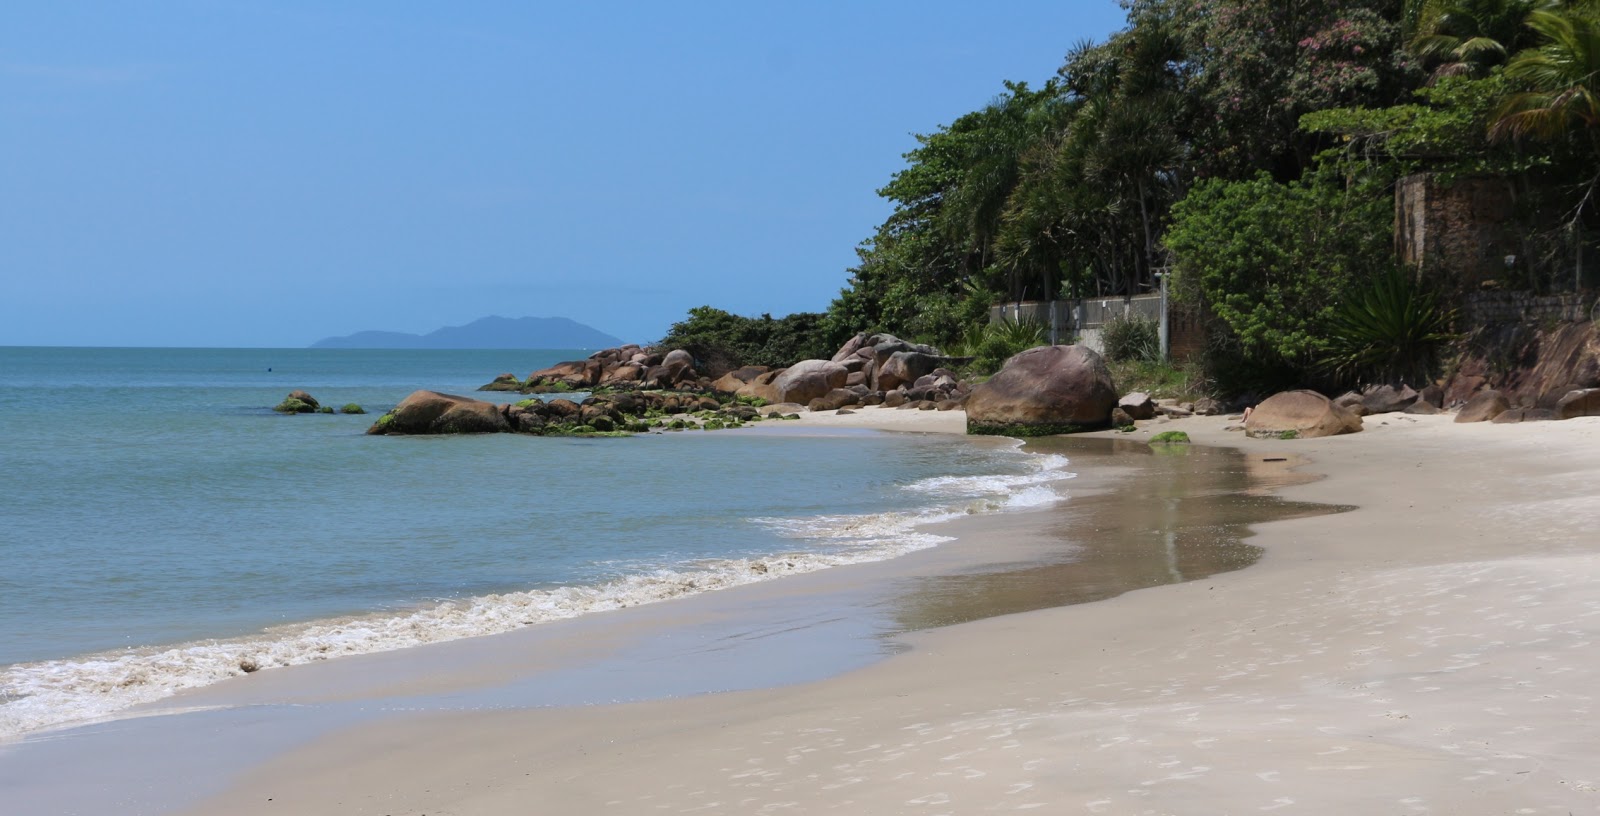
[(55, 693)]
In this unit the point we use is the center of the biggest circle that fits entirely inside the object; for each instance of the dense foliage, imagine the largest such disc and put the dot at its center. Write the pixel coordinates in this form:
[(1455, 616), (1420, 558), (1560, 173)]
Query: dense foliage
[(721, 341), (1252, 146)]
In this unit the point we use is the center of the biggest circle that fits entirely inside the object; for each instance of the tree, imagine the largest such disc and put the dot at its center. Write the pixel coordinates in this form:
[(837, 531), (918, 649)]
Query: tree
[(1469, 37)]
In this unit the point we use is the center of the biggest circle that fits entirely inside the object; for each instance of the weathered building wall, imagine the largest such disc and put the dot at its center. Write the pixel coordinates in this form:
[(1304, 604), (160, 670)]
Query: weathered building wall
[(1085, 318), (1458, 229), (1479, 309)]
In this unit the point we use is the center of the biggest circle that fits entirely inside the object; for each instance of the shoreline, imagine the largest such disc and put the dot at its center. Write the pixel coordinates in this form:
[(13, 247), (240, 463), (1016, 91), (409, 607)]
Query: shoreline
[(1421, 653), (205, 662)]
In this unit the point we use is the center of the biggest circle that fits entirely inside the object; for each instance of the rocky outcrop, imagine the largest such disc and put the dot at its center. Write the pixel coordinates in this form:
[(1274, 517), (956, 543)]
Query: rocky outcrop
[(431, 412), (1516, 415), (1579, 403), (1300, 415), (807, 380), (504, 382), (298, 402), (1532, 366), (1388, 399), (1483, 407), (1045, 390)]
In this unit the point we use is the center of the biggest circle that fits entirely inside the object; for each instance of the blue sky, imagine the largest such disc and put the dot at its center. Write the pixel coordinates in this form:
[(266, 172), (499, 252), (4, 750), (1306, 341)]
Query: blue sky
[(271, 173)]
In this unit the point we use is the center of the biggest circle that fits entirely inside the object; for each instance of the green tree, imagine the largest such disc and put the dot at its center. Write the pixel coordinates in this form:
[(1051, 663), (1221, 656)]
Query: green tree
[(1469, 37), (1271, 260)]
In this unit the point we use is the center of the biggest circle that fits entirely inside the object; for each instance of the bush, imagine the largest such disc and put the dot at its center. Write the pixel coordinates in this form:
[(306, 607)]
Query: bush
[(1132, 339), (991, 346), (721, 341), (1389, 330)]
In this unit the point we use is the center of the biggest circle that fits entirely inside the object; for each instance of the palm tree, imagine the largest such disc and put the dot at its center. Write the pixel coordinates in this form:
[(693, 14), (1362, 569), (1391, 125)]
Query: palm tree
[(1470, 36), (1563, 74)]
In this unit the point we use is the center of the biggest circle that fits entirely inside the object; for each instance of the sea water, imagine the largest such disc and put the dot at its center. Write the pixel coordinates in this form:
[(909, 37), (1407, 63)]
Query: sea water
[(161, 528)]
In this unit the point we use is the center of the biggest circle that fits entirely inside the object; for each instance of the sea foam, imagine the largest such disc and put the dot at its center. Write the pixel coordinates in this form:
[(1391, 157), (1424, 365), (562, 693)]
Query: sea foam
[(56, 693)]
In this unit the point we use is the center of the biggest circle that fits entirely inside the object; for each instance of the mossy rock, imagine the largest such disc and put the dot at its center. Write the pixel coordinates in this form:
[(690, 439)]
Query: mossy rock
[(352, 408), (326, 409), (1170, 438), (1287, 435), (293, 406), (714, 425)]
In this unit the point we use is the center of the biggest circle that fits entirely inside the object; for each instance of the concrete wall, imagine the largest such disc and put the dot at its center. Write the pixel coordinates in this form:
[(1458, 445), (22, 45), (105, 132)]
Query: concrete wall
[(1084, 319), (1488, 308)]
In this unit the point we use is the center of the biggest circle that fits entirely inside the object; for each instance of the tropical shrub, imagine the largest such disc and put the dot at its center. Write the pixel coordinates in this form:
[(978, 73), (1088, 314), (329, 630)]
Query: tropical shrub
[(1131, 339), (1391, 329)]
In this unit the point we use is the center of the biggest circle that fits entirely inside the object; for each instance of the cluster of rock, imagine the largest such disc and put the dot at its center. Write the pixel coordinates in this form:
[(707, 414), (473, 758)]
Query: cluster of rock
[(1494, 406), (299, 402), (871, 369), (432, 412), (627, 367)]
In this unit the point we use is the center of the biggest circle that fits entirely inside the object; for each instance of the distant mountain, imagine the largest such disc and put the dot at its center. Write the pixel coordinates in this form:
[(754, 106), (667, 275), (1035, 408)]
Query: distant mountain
[(484, 333)]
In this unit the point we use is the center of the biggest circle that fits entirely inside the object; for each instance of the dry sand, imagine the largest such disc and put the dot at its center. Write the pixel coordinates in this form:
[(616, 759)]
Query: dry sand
[(1433, 651)]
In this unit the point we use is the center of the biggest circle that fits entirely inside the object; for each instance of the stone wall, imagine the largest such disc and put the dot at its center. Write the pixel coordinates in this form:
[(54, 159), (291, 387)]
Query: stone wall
[(1480, 309), (1457, 229)]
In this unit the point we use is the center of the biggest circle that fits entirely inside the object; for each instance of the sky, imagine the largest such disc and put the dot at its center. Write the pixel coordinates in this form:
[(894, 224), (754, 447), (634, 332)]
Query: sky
[(265, 174)]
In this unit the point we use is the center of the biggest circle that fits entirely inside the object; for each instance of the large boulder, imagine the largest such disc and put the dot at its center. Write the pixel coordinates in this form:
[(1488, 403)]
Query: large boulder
[(504, 382), (1516, 415), (808, 379), (905, 367), (1484, 406), (1305, 414), (1581, 403), (430, 412), (1387, 399), (677, 360), (297, 402), (575, 374), (763, 387), (1044, 390)]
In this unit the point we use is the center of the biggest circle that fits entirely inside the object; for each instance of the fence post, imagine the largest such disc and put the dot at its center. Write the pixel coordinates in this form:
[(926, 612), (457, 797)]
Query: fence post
[(1165, 330)]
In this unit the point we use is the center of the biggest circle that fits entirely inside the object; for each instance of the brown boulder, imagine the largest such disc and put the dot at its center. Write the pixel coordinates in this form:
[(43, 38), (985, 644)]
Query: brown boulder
[(1137, 405), (430, 412), (1516, 415), (1120, 418), (905, 368), (1386, 399), (1484, 406), (305, 398), (1044, 390), (1306, 414), (1581, 403), (576, 373), (808, 379), (504, 382)]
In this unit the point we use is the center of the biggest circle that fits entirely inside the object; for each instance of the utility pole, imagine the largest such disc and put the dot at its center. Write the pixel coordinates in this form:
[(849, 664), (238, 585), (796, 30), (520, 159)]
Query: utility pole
[(1165, 331)]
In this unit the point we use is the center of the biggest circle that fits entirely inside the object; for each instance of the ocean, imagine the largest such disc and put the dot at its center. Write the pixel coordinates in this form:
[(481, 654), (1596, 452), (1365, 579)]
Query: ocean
[(164, 529)]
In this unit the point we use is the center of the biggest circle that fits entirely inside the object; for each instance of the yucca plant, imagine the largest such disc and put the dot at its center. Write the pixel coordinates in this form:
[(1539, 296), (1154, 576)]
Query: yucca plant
[(1389, 330), (1131, 339), (998, 342)]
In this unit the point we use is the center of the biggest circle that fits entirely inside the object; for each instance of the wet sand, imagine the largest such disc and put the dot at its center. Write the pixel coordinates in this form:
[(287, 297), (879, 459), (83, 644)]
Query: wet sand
[(1428, 652)]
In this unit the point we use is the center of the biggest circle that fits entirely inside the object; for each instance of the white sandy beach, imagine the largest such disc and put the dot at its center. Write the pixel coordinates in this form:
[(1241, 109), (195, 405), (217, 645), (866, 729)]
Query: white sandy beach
[(1433, 651)]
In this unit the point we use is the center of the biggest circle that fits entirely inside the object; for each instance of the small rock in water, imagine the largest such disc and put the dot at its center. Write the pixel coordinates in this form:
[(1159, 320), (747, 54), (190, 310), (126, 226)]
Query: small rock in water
[(249, 665)]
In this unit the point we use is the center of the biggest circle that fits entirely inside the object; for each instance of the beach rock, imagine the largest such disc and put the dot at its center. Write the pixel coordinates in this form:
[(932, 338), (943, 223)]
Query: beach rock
[(504, 382), (849, 349), (808, 379), (905, 367), (430, 412), (1176, 411), (1305, 413), (782, 409), (1120, 418), (1387, 399), (576, 374), (1137, 405), (560, 409), (1044, 390), (1433, 395), (952, 404), (624, 374), (895, 399), (1580, 403), (1352, 402), (762, 386), (1516, 415), (1206, 406), (297, 402), (1424, 407), (1483, 407), (855, 378)]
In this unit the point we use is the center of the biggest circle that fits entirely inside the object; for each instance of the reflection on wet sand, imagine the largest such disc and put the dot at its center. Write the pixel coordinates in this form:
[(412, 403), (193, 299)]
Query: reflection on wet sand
[(1181, 513)]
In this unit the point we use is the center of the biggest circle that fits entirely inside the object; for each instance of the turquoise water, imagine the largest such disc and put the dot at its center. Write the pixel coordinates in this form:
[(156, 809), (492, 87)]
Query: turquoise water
[(163, 527)]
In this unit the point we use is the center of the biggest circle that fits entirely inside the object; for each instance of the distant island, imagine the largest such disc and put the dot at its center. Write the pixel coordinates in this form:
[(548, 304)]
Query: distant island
[(484, 333)]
